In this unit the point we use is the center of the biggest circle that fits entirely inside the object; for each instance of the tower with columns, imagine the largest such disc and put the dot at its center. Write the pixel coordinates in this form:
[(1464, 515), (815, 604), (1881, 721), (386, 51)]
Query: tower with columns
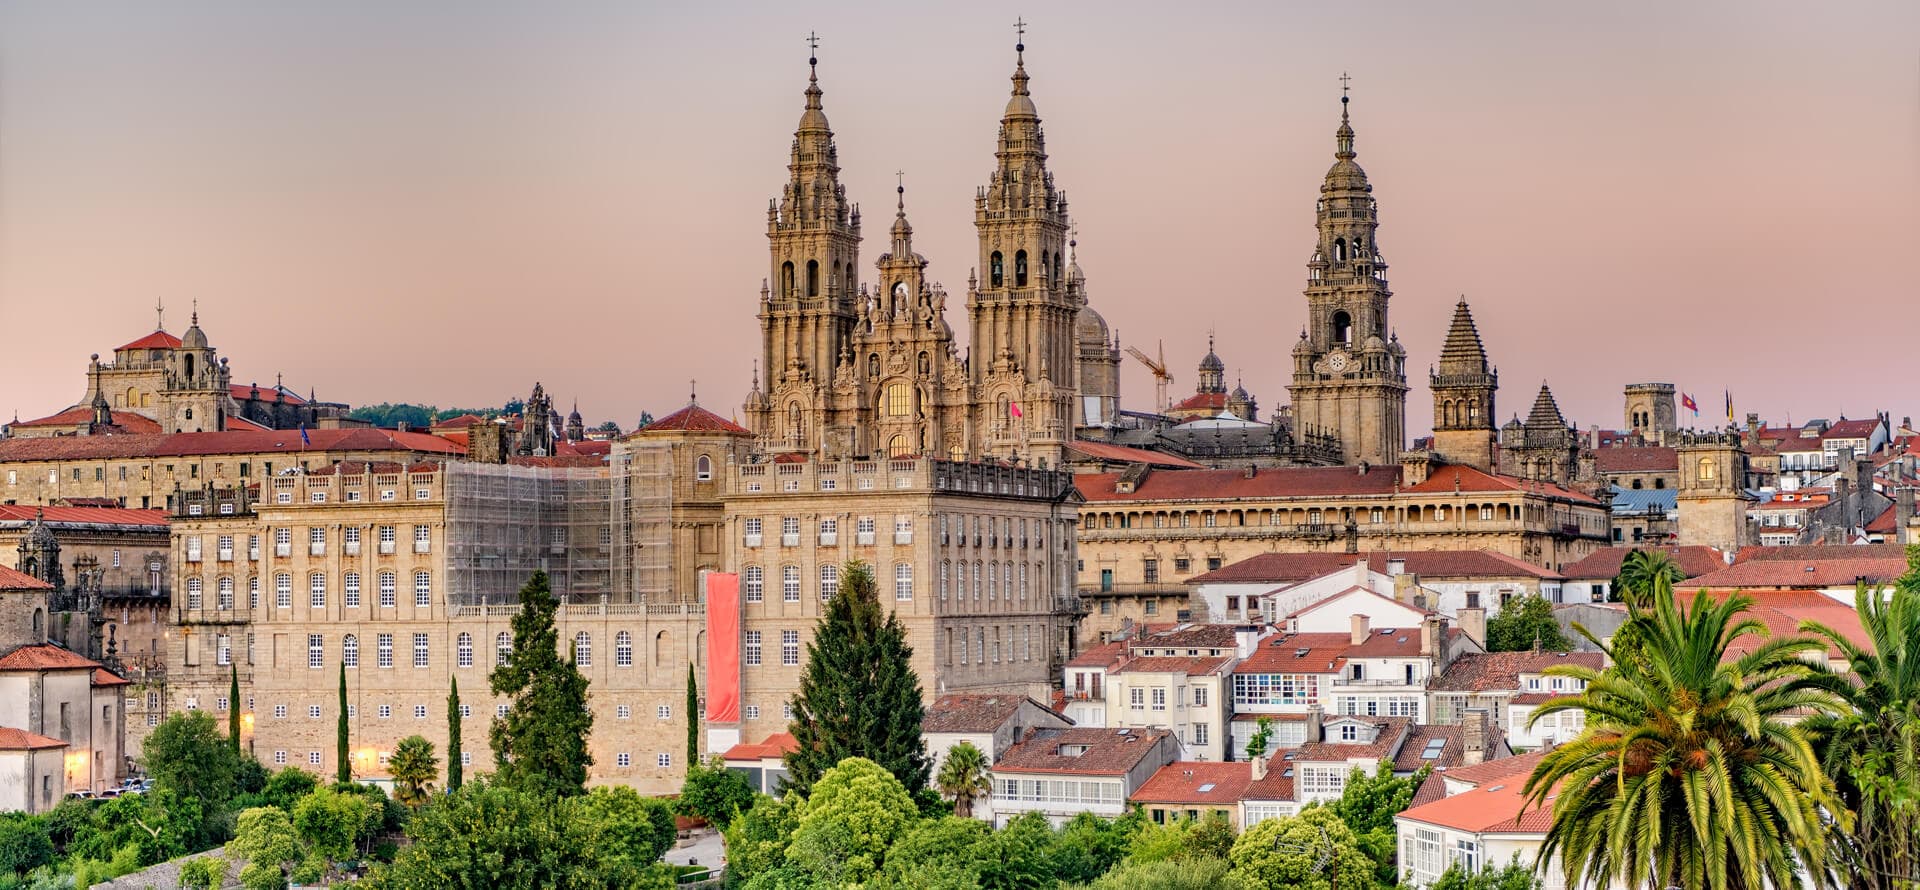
[(1463, 386)]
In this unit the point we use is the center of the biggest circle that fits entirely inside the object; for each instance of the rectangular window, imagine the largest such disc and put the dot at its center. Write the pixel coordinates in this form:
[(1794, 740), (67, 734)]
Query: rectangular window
[(903, 581), (663, 760), (419, 712), (1137, 697), (790, 584), (313, 712), (1199, 696), (1200, 733), (350, 589), (283, 591), (753, 712), (623, 759), (829, 582), (790, 647), (903, 529), (316, 651), (279, 712), (317, 591), (863, 531), (422, 538), (419, 650), (750, 531), (317, 541), (389, 584), (789, 531), (663, 712), (1159, 699), (222, 649), (754, 580), (422, 589), (1150, 571), (386, 539), (622, 712), (752, 649), (829, 532), (383, 649)]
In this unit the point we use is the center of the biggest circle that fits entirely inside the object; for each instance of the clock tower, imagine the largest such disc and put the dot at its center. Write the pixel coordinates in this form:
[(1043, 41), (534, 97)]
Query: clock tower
[(1349, 374)]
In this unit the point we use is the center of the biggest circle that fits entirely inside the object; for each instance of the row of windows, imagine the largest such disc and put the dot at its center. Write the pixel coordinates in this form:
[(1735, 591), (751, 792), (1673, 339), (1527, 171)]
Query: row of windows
[(1017, 648), (986, 531), (350, 537), (789, 648), (990, 579), (463, 648), (1316, 516), (387, 585)]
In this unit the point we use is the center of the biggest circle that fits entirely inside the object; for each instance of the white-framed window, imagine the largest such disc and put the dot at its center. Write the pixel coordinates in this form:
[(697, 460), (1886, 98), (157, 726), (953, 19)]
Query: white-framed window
[(463, 649), (1159, 698), (383, 650), (224, 548), (754, 579), (663, 760), (466, 711), (350, 589), (829, 582), (1199, 696), (622, 712), (283, 542), (663, 712), (750, 531), (317, 590), (350, 536), (314, 757), (703, 469), (752, 648), (350, 651), (279, 712), (280, 756), (863, 531), (502, 648), (317, 541), (389, 587), (829, 531), (313, 712), (419, 712), (194, 588), (253, 592), (623, 758), (283, 591), (583, 649), (423, 539), (1200, 733), (790, 584), (420, 650), (786, 711), (316, 651), (903, 581), (623, 649), (903, 529), (387, 537), (789, 531), (222, 649), (499, 710), (1137, 698), (946, 577), (422, 588), (753, 712), (790, 647), (193, 548)]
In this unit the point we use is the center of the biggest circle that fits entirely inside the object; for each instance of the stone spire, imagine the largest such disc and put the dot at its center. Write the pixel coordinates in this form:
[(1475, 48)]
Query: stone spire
[(1463, 353), (1546, 412), (1463, 389)]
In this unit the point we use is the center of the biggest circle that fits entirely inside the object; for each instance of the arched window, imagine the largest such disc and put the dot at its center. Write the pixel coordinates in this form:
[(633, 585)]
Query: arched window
[(996, 270), (898, 447), (1343, 328), (463, 649), (1044, 268), (660, 642), (1659, 483), (39, 625), (223, 599), (836, 274), (623, 649), (1056, 266), (583, 649), (1019, 268), (850, 286), (703, 468), (350, 651), (193, 593), (786, 279), (899, 401), (189, 366), (1709, 470), (813, 278), (502, 648), (189, 413), (1339, 250)]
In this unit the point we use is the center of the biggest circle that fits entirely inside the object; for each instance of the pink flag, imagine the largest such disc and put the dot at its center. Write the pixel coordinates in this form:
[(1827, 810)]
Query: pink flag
[(1013, 408)]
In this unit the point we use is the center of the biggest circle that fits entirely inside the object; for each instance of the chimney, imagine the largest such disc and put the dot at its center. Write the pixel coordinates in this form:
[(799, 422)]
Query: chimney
[(1360, 629), (1473, 623), (1245, 640), (1260, 767), (1251, 470), (1429, 635), (402, 427), (1404, 586), (1473, 736), (1313, 722)]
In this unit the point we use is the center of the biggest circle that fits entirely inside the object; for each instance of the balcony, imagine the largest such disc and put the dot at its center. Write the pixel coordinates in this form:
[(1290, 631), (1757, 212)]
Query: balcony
[(282, 549), (351, 548), (386, 548), (427, 546), (829, 539), (752, 540)]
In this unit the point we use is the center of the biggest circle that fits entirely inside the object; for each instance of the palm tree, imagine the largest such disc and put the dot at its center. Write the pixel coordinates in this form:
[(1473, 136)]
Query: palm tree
[(1690, 772), (963, 777), (1642, 571), (1872, 748), (413, 767)]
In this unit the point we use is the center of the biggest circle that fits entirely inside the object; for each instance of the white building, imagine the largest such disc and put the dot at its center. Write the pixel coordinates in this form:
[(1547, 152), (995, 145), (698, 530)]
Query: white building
[(1061, 773)]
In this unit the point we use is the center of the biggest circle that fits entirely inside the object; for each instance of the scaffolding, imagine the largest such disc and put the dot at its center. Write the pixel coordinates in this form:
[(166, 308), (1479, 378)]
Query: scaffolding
[(506, 521), (642, 496)]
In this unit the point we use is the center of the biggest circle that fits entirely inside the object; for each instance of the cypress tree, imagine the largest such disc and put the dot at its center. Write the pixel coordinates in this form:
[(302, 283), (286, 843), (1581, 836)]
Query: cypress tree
[(233, 707), (540, 746), (693, 719), (859, 696), (453, 738), (344, 773)]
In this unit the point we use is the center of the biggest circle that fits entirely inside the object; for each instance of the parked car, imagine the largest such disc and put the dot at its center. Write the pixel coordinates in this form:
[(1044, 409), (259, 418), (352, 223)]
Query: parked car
[(79, 795)]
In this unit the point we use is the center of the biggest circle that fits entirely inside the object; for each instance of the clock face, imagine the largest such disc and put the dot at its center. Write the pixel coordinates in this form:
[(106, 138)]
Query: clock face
[(1337, 361)]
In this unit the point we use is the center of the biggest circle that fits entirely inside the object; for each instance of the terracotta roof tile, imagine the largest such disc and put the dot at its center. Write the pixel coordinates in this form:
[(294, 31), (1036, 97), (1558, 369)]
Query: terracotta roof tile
[(45, 657), (1495, 671), (104, 677), (1821, 551), (1225, 484), (13, 579), (1309, 653), (1123, 454), (1289, 568), (695, 419), (12, 739), (1196, 782), (57, 516), (1103, 655), (1453, 477), (777, 745), (1191, 636), (1109, 751), (244, 392), (1166, 664), (1693, 560), (1498, 806), (1812, 573), (157, 340), (124, 422), (1636, 459), (1493, 770), (1203, 401), (228, 442), (1392, 731), (1851, 429), (1277, 785), (972, 713), (1420, 738)]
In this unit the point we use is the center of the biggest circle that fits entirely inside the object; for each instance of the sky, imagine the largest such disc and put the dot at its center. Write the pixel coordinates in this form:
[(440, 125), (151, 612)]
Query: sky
[(444, 202)]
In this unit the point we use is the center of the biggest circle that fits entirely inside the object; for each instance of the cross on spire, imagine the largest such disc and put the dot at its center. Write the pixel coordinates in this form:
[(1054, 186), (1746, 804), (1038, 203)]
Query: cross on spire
[(159, 315), (693, 392), (813, 47), (1345, 84), (1020, 35)]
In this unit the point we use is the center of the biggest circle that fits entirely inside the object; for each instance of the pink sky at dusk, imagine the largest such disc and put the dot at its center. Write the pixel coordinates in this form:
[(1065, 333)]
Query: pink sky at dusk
[(444, 202)]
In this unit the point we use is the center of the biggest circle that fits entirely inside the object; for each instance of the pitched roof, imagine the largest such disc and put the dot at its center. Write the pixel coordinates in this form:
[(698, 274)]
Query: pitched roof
[(1430, 745), (228, 442), (1391, 731), (1822, 551), (1170, 664), (57, 516), (13, 579), (695, 419), (243, 392), (1192, 636), (1292, 568), (1202, 401), (972, 713), (12, 739), (1103, 655), (45, 657), (1496, 671), (1277, 785), (1308, 653), (1214, 485), (1463, 352), (1694, 560), (1454, 477), (1109, 751), (777, 745), (104, 677), (159, 339), (1782, 611), (1196, 782), (1851, 429), (1498, 806), (1491, 770), (124, 422), (1636, 459), (1545, 411), (1810, 573), (1122, 454)]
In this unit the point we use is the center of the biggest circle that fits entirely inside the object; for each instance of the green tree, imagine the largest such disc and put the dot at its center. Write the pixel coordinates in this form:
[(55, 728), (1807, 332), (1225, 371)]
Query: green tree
[(1016, 857), (630, 831), (343, 772), (188, 756), (1194, 873), (693, 718), (852, 816), (1871, 748), (264, 837), (1368, 804), (24, 843), (859, 696), (1088, 846), (1512, 876), (332, 826), (1308, 851), (456, 771), (1642, 574), (714, 793), (757, 841), (203, 873), (1691, 771), (951, 846), (963, 777), (413, 767), (286, 787), (1262, 734), (233, 709), (540, 746), (1523, 623)]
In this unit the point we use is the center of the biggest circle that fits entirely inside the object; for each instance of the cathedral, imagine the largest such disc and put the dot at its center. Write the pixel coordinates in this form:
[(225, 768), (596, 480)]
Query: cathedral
[(871, 369)]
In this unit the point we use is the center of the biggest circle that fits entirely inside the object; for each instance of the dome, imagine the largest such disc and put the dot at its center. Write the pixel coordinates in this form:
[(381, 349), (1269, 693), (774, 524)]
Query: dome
[(38, 536), (1240, 394), (1089, 327), (194, 338), (1212, 362)]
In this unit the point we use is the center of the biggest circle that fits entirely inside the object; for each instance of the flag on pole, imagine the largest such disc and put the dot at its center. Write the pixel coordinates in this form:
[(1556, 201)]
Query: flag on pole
[(1687, 402), (1729, 406), (1013, 408), (304, 440)]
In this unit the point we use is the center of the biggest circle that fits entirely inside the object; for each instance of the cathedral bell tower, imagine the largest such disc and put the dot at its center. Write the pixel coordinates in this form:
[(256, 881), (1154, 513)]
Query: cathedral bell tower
[(1349, 377), (807, 304), (1463, 386), (911, 387), (1021, 314)]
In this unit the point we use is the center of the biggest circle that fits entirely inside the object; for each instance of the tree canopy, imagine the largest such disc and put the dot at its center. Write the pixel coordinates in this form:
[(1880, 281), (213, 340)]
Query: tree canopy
[(540, 746), (188, 756), (714, 793), (1524, 623), (852, 815)]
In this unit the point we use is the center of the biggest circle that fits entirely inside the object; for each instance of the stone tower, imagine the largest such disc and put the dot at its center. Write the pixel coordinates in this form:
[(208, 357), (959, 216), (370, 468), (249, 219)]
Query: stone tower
[(1711, 500), (1544, 447), (1349, 375), (902, 376), (1463, 386), (39, 553), (1097, 353), (807, 308), (1022, 356), (1650, 411)]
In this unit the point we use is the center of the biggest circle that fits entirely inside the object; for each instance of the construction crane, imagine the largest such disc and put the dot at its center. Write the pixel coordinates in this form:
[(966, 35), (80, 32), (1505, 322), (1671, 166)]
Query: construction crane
[(1160, 376)]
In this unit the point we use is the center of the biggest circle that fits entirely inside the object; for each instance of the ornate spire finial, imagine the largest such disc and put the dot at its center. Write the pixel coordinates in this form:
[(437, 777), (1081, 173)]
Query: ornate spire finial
[(1020, 35), (900, 178), (693, 392), (1020, 58), (813, 49), (194, 321), (1343, 137), (159, 315)]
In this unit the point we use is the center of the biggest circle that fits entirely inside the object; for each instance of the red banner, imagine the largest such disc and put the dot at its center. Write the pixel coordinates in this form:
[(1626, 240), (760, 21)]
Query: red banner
[(723, 647)]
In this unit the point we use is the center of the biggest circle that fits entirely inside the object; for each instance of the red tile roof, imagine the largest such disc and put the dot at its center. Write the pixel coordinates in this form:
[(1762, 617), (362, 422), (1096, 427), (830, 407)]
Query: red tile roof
[(84, 515), (1822, 551), (1497, 805), (1168, 664), (1782, 611), (104, 677), (45, 657), (1103, 655), (124, 422), (244, 392), (695, 419), (1385, 745), (1203, 401), (1640, 459), (1803, 574), (1693, 560), (1110, 752), (1453, 477), (1290, 568), (1278, 784), (241, 423), (972, 713), (1196, 782), (1493, 770), (13, 579), (1309, 653), (1851, 429), (157, 340), (1190, 636), (229, 442), (1498, 671), (12, 739), (777, 745), (1123, 454), (1413, 754), (1216, 485), (1886, 522)]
